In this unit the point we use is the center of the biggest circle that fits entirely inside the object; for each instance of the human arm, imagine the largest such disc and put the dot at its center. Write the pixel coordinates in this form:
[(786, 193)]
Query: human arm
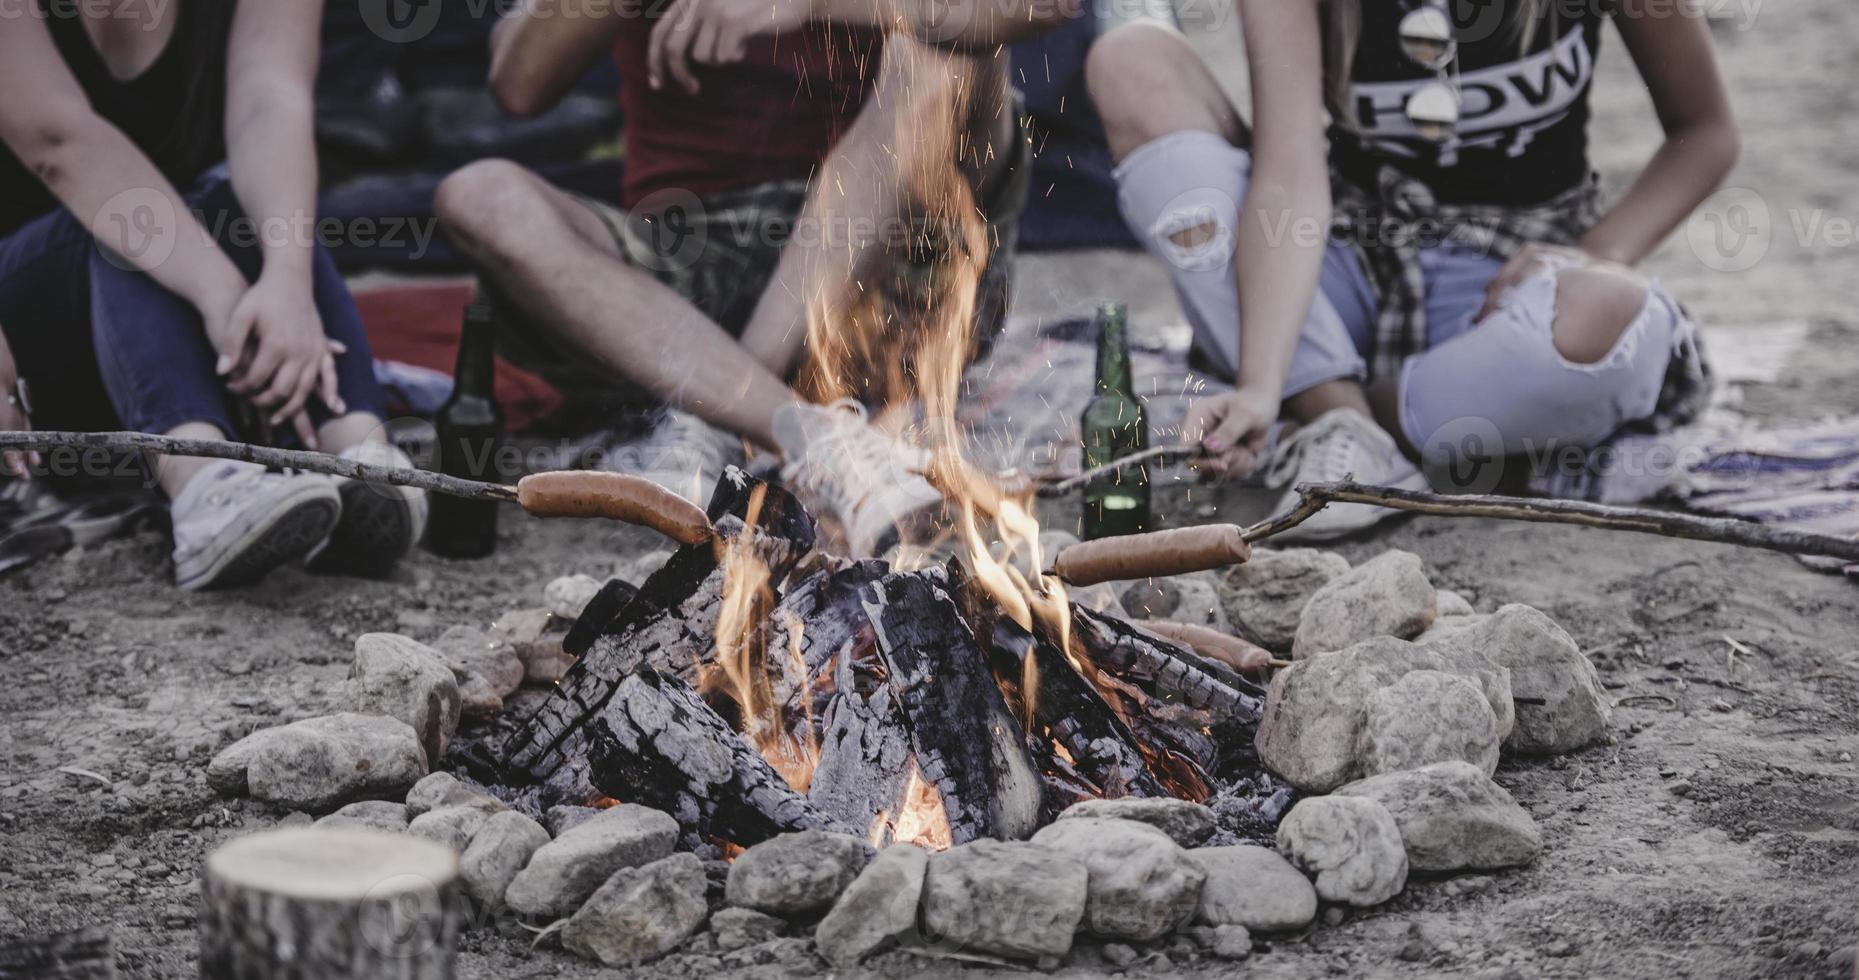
[(1283, 228), (541, 47), (102, 179), (1674, 56), (280, 355), (715, 32)]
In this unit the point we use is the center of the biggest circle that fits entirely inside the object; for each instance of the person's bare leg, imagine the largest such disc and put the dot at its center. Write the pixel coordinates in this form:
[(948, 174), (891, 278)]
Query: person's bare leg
[(1311, 403), (860, 184), (173, 472), (554, 259), (351, 430), (1147, 83)]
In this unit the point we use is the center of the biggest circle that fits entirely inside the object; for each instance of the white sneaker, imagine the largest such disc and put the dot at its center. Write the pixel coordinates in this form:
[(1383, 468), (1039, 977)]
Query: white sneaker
[(380, 523), (1341, 444), (682, 453), (871, 482), (235, 522)]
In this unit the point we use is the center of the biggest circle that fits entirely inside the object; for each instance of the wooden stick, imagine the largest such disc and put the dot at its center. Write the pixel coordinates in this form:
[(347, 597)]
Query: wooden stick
[(1159, 455), (241, 452), (1672, 524)]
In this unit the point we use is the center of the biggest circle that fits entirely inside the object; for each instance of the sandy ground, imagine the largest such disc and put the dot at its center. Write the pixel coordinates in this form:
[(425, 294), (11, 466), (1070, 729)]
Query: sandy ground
[(1717, 835)]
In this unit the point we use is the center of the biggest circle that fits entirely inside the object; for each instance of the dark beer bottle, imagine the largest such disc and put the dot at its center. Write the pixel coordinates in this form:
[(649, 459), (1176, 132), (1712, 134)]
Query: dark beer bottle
[(470, 433), (1115, 425)]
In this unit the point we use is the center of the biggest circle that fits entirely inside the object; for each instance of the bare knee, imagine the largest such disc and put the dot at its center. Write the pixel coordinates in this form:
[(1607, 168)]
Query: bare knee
[(1594, 308), (1146, 83), (484, 201)]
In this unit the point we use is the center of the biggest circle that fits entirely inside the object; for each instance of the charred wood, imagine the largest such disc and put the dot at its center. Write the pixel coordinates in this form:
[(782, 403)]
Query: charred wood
[(655, 742), (968, 746)]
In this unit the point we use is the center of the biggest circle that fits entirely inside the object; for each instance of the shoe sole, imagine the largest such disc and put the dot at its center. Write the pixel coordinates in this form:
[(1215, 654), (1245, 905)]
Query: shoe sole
[(286, 534), (375, 532)]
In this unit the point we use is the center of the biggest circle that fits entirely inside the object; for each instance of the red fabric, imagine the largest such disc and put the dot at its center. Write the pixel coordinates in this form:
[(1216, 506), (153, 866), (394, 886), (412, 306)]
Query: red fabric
[(419, 324), (770, 117)]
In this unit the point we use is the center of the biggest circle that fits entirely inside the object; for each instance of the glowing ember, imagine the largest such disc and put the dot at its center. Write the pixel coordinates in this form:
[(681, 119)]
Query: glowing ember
[(920, 818)]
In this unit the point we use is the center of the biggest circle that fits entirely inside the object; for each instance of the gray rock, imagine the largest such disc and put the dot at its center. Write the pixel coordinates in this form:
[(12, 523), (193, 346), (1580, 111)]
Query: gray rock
[(500, 848), (567, 596), (795, 874), (1453, 818), (1188, 824), (1425, 717), (1315, 709), (1545, 663), (1253, 887), (640, 913), (1452, 605), (452, 826), (878, 908), (442, 789), (319, 764), (1351, 845), (738, 928), (382, 815), (487, 668), (1229, 942), (1016, 900), (1142, 885), (402, 678), (560, 819), (1267, 594), (565, 871), (1387, 596)]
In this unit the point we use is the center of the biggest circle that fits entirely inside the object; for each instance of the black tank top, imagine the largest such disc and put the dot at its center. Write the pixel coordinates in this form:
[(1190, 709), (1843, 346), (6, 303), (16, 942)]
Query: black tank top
[(175, 111), (1523, 131)]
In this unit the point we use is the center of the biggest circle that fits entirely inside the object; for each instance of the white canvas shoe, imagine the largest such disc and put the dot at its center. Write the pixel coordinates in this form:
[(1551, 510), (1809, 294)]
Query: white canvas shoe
[(871, 482), (1340, 444), (380, 524), (682, 453), (235, 522)]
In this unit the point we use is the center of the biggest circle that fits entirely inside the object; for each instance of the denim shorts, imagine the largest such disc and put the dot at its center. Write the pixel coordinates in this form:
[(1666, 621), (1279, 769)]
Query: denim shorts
[(1500, 380)]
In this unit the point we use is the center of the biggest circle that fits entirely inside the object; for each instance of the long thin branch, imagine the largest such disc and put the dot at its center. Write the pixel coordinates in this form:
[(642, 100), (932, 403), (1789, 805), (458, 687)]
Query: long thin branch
[(1671, 524), (293, 458), (1159, 455)]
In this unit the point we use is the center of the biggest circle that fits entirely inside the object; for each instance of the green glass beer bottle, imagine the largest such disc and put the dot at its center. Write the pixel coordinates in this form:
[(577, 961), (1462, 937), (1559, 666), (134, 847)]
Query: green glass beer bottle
[(1115, 425), (470, 431)]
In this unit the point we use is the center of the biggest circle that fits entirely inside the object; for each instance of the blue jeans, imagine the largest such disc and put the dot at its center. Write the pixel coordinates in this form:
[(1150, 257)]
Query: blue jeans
[(1500, 380), (103, 347)]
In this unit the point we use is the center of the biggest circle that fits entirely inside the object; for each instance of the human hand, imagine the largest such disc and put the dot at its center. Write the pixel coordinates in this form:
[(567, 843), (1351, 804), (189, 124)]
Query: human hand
[(1232, 428), (274, 353), (15, 414), (1525, 264), (714, 32)]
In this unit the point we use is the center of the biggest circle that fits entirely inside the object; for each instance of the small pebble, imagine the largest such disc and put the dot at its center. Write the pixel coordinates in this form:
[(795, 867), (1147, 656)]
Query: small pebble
[(1118, 954)]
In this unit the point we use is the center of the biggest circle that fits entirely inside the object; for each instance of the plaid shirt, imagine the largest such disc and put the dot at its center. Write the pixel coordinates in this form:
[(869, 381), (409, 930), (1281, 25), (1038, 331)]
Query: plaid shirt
[(1389, 228)]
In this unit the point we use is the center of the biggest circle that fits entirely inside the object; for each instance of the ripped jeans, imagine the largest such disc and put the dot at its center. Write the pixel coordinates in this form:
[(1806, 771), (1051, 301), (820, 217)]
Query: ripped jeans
[(1499, 381)]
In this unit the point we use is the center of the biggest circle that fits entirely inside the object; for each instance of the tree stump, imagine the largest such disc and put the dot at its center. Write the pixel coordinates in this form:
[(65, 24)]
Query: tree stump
[(317, 903)]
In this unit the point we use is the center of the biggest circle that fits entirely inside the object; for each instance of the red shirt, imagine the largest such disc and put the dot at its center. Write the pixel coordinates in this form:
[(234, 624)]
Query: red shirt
[(770, 117)]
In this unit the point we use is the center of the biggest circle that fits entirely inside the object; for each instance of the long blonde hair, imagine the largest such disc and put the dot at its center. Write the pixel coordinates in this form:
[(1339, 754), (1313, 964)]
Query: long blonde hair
[(1343, 32)]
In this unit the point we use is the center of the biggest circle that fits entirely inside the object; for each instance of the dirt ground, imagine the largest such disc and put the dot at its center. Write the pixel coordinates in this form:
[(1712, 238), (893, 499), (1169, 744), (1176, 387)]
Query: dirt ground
[(1717, 835)]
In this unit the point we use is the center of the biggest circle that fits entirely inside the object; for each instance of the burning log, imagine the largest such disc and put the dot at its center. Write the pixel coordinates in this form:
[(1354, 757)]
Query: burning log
[(670, 623), (321, 904), (968, 746), (1164, 670), (656, 742), (1102, 750)]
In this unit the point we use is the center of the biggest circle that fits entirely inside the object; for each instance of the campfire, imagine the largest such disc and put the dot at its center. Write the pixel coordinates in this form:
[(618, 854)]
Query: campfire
[(755, 685)]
